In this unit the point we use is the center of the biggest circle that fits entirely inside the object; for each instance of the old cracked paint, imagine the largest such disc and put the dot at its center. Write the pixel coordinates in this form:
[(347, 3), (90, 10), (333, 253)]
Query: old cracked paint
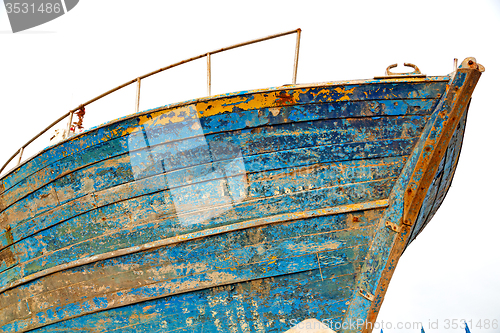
[(421, 169), (235, 213)]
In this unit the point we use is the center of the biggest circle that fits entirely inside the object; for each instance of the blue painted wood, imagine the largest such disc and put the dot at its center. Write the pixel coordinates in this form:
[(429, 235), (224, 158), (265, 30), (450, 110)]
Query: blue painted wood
[(230, 145), (276, 182), (207, 165), (409, 194), (165, 157), (442, 181), (270, 244), (223, 122), (218, 246), (49, 245), (255, 306), (83, 181), (233, 103), (300, 157)]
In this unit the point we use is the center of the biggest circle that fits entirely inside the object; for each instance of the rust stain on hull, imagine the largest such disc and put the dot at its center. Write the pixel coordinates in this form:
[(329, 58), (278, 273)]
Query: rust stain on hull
[(241, 211)]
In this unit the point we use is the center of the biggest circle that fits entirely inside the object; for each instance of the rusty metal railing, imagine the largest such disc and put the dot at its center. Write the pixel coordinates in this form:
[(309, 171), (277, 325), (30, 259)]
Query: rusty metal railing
[(70, 113)]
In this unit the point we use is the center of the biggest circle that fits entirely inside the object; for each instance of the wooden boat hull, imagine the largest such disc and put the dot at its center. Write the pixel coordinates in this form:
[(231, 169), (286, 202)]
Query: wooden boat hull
[(247, 212)]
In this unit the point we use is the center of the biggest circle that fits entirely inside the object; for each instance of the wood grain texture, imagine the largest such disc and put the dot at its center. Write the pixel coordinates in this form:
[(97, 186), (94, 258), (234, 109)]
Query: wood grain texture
[(258, 209), (174, 160), (409, 194), (422, 89), (119, 213), (252, 254), (169, 156), (220, 123), (442, 180)]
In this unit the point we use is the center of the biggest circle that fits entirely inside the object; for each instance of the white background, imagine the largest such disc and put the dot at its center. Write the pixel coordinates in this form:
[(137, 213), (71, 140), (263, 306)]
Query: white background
[(452, 269)]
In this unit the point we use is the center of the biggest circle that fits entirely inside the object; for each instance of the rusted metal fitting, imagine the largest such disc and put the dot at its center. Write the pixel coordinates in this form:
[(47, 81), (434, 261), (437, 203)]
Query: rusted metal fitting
[(471, 62), (390, 75), (366, 294), (393, 226), (407, 64)]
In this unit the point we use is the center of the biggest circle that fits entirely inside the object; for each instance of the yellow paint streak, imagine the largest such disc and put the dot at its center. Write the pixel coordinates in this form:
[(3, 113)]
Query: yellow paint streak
[(250, 101), (346, 92), (245, 102), (161, 118)]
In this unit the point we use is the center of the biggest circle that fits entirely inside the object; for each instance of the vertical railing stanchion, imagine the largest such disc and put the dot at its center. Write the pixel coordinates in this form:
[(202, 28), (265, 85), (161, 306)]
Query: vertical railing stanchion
[(209, 75), (69, 124), (296, 61), (138, 95), (20, 155)]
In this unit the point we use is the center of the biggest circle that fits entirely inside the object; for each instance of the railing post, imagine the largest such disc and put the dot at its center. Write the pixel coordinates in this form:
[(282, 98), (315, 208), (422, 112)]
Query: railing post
[(209, 75), (69, 124), (138, 95), (296, 62), (20, 155)]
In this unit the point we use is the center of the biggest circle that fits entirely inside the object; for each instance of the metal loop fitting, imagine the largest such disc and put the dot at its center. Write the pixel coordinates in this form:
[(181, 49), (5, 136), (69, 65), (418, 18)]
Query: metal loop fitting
[(407, 64)]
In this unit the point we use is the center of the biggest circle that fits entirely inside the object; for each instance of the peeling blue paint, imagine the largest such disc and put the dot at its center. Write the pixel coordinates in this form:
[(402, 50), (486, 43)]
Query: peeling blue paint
[(207, 165)]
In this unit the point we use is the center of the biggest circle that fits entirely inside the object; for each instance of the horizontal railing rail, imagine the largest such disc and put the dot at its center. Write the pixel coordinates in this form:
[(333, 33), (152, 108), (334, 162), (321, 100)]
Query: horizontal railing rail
[(70, 113)]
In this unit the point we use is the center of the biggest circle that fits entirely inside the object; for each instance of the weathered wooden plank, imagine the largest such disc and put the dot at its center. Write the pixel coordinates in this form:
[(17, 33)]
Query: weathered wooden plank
[(47, 219), (64, 166), (322, 94), (218, 246), (120, 170), (38, 202), (237, 120), (374, 91), (190, 283), (335, 249), (275, 160), (228, 145), (218, 123), (256, 185), (312, 286), (200, 234), (130, 232), (441, 182), (229, 308), (80, 292), (296, 179)]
